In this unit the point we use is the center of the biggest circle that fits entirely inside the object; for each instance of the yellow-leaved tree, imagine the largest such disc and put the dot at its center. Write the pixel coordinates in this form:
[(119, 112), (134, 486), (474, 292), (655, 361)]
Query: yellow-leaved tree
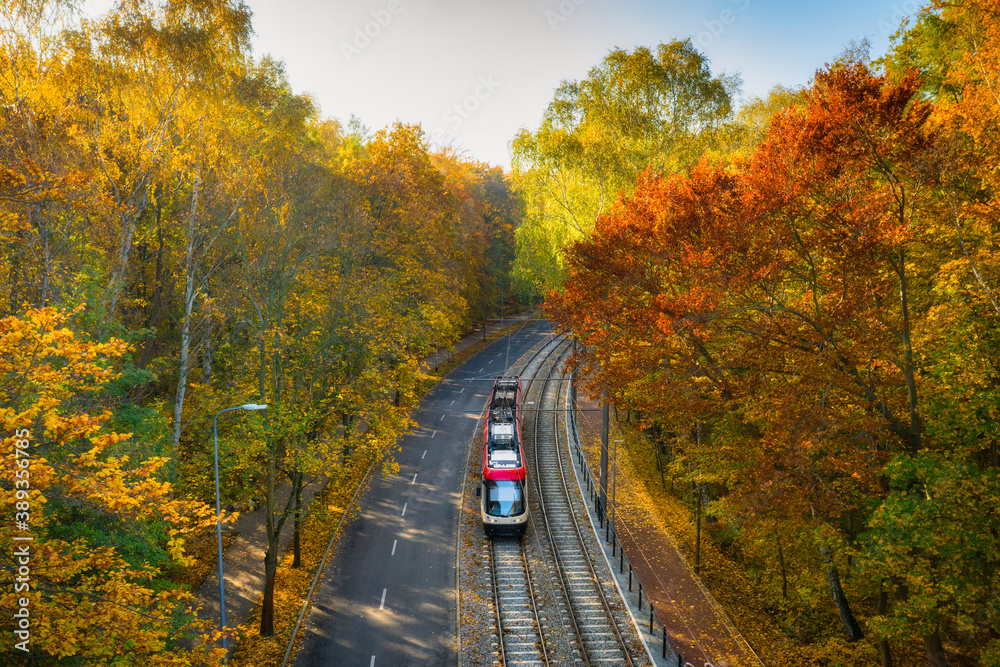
[(79, 597)]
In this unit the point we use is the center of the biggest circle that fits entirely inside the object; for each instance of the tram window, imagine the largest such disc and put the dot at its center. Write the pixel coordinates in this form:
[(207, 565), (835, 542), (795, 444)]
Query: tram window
[(504, 498)]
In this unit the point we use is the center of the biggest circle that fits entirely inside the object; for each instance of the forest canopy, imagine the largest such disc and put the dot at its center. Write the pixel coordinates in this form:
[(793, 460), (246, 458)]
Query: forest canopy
[(805, 318), (182, 232)]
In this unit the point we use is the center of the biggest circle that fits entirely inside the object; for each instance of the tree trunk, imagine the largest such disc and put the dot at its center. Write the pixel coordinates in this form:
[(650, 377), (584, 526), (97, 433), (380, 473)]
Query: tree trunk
[(182, 375), (207, 355), (909, 374), (697, 534), (345, 450), (850, 541), (935, 651), (190, 294), (883, 644), (273, 531), (660, 467), (43, 295), (274, 526), (267, 609), (854, 632), (932, 642), (296, 549), (15, 278), (605, 416), (157, 308), (972, 261), (781, 562), (130, 216), (184, 365), (271, 556)]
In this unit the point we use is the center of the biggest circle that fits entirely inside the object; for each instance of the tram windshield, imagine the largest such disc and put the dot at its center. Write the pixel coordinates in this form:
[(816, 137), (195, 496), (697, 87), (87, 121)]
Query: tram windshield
[(504, 498)]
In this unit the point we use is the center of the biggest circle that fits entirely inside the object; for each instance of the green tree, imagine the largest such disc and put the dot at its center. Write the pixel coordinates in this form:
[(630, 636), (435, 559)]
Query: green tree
[(658, 109)]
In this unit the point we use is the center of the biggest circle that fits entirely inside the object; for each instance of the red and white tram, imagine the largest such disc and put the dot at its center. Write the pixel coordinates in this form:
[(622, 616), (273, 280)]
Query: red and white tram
[(503, 501)]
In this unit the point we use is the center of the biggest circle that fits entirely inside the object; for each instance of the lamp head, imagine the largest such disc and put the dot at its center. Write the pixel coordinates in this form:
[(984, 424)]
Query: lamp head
[(254, 406)]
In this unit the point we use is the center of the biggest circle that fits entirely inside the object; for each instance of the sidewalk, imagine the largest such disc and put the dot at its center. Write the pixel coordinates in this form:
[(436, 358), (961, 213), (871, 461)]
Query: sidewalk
[(243, 561)]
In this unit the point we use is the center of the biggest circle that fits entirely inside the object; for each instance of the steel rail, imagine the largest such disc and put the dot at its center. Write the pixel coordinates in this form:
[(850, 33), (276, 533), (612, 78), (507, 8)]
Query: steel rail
[(573, 520), (498, 602), (561, 578)]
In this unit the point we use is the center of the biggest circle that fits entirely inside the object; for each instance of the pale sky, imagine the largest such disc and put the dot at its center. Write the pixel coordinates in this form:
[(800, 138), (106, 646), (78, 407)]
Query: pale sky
[(473, 72)]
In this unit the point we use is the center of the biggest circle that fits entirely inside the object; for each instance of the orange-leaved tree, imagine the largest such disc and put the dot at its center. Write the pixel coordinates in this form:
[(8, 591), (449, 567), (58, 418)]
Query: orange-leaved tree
[(768, 307)]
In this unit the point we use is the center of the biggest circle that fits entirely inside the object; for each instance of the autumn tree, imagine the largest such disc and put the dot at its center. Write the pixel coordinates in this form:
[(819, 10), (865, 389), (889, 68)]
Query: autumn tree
[(87, 597), (175, 193), (657, 108), (781, 302), (278, 242), (39, 156)]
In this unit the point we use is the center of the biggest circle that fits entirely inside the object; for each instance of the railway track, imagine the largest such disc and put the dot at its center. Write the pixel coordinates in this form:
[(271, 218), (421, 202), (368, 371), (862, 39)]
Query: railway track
[(585, 629), (598, 630), (521, 641), (519, 628)]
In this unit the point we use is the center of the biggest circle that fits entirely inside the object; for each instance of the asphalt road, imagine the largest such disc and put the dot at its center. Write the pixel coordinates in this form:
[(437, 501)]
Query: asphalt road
[(388, 596)]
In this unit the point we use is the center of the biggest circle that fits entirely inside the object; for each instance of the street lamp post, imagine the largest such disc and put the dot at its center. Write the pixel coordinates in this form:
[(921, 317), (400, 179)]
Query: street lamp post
[(218, 509)]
